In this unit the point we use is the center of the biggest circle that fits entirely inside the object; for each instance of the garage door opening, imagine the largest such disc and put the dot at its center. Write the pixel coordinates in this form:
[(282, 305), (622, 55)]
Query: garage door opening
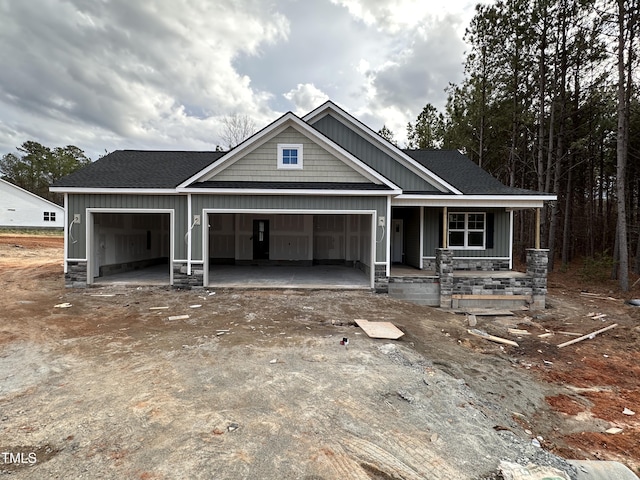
[(130, 248), (258, 250)]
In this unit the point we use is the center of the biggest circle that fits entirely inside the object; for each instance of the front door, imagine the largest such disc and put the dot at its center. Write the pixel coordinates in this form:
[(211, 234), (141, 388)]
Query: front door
[(397, 241), (261, 239)]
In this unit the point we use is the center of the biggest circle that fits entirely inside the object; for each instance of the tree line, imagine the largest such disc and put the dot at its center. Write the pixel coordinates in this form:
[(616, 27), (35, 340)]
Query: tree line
[(36, 167), (549, 103)]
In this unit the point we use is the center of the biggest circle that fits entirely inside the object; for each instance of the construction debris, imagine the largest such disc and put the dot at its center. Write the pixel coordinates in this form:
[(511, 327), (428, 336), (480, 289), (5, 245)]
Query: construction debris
[(613, 430), (179, 317), (379, 329), (517, 331), (589, 335), (490, 313), (482, 334), (63, 305)]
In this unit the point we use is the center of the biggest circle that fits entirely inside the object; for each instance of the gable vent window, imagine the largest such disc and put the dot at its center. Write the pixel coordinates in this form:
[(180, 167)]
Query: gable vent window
[(290, 156), (49, 216)]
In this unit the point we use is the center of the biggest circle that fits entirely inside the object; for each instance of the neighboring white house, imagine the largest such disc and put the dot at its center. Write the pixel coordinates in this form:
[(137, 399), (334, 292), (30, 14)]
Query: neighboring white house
[(20, 208)]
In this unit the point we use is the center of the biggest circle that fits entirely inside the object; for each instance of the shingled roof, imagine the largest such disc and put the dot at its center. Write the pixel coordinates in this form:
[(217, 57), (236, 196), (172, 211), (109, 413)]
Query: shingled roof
[(458, 170), (140, 169), (148, 169)]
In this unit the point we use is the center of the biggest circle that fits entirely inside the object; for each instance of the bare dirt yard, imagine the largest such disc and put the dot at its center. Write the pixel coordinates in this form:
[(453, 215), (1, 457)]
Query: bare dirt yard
[(155, 383)]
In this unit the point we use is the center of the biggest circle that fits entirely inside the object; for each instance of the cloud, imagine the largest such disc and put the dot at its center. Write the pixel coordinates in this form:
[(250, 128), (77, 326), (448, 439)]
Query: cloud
[(135, 69), (389, 15), (306, 97), (423, 70), (110, 74)]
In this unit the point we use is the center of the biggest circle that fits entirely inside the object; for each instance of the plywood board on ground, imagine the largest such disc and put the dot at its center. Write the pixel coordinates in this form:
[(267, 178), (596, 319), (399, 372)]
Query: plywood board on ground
[(380, 329)]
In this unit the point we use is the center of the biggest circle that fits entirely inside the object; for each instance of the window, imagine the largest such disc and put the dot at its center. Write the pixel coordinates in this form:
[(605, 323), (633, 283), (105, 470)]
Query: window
[(290, 156), (49, 216), (467, 230)]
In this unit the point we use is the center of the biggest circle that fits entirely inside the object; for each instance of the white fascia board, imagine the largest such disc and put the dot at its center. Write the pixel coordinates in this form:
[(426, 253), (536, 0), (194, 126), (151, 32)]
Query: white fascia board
[(287, 120), (289, 191), (506, 201), (296, 211), (384, 145), (116, 191)]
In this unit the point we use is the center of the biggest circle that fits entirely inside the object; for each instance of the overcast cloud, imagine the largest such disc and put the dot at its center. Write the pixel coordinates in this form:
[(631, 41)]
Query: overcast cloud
[(113, 74)]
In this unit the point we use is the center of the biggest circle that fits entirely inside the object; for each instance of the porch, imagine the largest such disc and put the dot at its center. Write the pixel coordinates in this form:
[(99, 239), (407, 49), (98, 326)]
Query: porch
[(449, 288)]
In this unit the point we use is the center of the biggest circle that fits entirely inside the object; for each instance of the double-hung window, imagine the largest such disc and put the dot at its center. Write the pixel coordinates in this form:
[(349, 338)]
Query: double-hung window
[(290, 156), (467, 230)]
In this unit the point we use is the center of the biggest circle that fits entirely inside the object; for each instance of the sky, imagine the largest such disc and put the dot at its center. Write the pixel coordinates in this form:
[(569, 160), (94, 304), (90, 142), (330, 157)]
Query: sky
[(107, 75)]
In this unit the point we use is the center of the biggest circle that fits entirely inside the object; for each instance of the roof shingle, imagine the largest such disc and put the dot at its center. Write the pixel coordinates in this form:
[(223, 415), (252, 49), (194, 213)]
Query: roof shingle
[(458, 170), (140, 169)]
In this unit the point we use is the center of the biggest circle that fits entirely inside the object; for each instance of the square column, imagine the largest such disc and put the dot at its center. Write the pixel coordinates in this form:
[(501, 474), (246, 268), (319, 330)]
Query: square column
[(444, 270), (537, 261)]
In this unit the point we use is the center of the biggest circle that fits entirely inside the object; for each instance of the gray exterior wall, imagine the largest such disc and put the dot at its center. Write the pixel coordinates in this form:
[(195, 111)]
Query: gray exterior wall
[(261, 165), (77, 204), (282, 202), (501, 233), (371, 155)]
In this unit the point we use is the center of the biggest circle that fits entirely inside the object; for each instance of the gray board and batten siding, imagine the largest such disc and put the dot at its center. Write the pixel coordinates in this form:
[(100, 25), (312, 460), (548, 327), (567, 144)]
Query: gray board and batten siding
[(261, 165), (79, 203), (371, 155), (298, 204), (500, 235)]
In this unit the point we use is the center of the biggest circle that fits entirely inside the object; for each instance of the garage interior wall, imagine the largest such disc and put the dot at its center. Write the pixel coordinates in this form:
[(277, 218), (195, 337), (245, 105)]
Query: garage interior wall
[(298, 238), (139, 239)]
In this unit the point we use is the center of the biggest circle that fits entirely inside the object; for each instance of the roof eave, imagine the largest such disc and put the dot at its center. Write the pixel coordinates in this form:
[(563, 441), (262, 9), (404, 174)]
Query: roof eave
[(115, 190), (506, 201), (289, 191)]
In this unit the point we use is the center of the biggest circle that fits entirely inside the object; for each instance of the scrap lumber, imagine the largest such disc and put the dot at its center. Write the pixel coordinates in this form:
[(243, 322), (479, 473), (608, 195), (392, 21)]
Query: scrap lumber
[(493, 338), (379, 329), (588, 335), (518, 331), (483, 312)]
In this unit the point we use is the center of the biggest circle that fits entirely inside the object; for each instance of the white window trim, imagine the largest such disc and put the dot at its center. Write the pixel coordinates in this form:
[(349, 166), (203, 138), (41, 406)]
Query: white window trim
[(467, 230), (290, 146)]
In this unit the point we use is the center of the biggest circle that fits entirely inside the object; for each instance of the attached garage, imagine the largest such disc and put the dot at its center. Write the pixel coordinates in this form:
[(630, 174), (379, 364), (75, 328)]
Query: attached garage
[(300, 240), (129, 242)]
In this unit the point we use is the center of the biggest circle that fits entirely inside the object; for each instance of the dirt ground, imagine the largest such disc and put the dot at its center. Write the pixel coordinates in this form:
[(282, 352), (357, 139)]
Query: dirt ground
[(155, 383)]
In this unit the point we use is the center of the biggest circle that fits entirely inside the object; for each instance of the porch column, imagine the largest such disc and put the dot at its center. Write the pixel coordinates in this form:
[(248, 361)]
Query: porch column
[(537, 260), (444, 270), (538, 228)]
